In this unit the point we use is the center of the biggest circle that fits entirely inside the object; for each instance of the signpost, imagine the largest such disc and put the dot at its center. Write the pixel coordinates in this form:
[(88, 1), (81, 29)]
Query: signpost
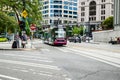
[(33, 28)]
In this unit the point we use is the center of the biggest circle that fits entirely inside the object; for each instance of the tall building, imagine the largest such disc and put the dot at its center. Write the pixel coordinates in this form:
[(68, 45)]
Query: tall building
[(117, 15), (92, 12), (60, 12)]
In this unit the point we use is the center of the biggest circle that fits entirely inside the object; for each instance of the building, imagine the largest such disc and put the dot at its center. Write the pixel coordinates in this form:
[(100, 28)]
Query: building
[(117, 15), (108, 35), (60, 12), (92, 12)]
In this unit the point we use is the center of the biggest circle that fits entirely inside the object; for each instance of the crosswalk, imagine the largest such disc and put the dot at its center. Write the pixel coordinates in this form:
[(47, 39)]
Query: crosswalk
[(40, 67)]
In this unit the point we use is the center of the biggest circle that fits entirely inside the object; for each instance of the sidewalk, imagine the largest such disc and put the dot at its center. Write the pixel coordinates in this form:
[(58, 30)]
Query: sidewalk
[(8, 46), (96, 45)]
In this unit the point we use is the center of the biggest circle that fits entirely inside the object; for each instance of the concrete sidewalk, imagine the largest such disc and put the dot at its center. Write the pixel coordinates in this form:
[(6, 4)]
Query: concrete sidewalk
[(8, 46), (96, 45)]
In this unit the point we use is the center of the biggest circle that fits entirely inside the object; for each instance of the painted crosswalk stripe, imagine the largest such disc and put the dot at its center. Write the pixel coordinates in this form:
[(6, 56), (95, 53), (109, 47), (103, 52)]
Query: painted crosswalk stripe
[(30, 64), (45, 50), (8, 77), (63, 50)]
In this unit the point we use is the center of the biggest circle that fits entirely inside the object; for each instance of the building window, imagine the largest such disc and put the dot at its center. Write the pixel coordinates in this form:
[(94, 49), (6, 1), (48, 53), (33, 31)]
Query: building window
[(102, 17), (112, 6), (92, 8), (82, 19), (82, 14), (112, 12), (82, 8), (82, 3), (65, 15), (102, 0), (103, 6), (102, 12), (92, 19)]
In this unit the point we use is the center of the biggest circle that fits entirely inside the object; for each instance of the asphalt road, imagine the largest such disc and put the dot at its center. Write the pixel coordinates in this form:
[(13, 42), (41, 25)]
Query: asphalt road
[(59, 63)]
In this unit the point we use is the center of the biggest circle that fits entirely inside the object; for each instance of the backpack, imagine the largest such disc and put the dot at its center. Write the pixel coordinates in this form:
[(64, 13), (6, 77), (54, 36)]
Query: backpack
[(14, 44)]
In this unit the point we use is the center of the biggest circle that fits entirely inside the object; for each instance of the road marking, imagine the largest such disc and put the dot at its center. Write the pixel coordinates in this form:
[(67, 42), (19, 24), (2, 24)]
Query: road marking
[(45, 74), (9, 77), (38, 60), (98, 58), (26, 56), (45, 50), (68, 79), (63, 50), (30, 64)]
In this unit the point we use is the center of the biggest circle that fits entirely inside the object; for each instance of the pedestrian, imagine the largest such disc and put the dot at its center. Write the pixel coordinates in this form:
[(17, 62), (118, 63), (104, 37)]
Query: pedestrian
[(24, 40), (17, 38)]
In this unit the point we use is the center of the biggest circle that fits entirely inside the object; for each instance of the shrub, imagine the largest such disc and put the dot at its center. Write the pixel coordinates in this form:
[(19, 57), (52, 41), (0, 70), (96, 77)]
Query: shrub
[(3, 39)]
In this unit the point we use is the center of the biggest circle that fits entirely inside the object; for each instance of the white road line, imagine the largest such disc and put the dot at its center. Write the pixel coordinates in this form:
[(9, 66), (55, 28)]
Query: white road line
[(45, 74), (101, 58), (38, 60), (68, 79), (9, 77), (45, 50), (63, 50), (26, 56), (30, 64)]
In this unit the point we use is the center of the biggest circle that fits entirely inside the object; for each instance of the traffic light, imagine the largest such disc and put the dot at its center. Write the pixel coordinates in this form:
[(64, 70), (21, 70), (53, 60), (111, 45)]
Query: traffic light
[(22, 25)]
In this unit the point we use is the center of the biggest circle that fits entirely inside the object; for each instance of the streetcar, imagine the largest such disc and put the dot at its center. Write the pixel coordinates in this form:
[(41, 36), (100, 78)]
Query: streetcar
[(55, 36)]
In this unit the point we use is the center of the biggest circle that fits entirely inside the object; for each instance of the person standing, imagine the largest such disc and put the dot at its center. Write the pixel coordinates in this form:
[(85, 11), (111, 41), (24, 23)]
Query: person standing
[(24, 40)]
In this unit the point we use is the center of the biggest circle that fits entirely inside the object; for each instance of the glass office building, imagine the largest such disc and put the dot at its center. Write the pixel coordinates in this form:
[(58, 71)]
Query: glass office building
[(60, 12)]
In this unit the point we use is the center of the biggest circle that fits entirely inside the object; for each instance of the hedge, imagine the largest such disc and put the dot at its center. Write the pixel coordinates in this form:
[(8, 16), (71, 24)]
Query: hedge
[(3, 39)]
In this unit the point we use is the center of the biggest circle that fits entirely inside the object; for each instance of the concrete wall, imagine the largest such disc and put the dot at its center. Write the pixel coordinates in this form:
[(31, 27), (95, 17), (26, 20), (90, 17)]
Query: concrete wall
[(105, 36)]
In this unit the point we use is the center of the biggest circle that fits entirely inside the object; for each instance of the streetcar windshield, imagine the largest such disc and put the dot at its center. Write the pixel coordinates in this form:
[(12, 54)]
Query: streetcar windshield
[(60, 33)]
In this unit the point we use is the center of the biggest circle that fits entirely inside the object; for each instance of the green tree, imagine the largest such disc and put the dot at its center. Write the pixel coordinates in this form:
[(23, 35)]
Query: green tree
[(75, 30), (16, 6), (7, 23), (108, 23)]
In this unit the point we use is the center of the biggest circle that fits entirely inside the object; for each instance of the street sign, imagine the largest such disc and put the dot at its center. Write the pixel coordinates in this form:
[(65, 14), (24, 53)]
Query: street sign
[(33, 28), (24, 14)]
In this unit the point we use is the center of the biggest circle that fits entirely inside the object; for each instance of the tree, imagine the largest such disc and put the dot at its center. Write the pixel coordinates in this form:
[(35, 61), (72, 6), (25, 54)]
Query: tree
[(108, 23), (75, 30), (7, 22), (16, 6)]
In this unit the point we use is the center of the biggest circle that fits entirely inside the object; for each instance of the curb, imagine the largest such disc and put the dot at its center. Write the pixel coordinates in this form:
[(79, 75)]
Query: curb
[(18, 49)]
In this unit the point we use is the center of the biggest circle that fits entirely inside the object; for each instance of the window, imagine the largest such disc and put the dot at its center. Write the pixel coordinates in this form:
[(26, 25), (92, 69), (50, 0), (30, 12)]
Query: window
[(82, 3), (65, 12), (112, 12), (82, 19), (65, 15), (82, 14), (112, 6), (70, 12), (74, 16), (92, 8), (92, 19), (102, 0), (102, 17), (82, 8), (103, 6), (74, 8), (102, 12)]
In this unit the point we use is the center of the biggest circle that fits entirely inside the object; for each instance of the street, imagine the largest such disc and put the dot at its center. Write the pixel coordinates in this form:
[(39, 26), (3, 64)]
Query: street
[(71, 62)]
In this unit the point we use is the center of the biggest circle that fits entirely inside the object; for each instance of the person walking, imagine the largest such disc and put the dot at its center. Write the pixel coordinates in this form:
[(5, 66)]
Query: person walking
[(24, 40)]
